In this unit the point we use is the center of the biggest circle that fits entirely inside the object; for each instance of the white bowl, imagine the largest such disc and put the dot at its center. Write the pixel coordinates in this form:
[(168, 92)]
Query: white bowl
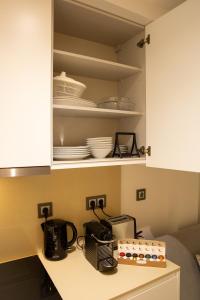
[(100, 153), (101, 147)]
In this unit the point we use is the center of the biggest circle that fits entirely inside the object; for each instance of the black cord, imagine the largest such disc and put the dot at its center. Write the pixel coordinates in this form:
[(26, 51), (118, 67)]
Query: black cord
[(96, 214), (101, 206), (45, 213), (139, 234), (105, 212)]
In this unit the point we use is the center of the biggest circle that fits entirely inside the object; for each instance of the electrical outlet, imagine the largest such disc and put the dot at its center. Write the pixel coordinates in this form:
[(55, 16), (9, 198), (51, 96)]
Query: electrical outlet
[(140, 194), (89, 201), (101, 198), (41, 206)]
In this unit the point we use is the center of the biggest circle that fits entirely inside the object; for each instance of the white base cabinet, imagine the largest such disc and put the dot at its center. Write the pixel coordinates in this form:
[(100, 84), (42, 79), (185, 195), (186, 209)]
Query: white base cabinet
[(165, 289)]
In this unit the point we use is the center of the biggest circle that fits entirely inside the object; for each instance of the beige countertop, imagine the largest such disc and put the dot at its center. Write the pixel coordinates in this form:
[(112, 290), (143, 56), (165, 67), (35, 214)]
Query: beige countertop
[(75, 278)]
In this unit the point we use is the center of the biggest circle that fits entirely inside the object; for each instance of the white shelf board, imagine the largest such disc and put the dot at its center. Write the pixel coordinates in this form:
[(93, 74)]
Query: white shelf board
[(94, 162), (83, 65), (83, 21), (92, 112)]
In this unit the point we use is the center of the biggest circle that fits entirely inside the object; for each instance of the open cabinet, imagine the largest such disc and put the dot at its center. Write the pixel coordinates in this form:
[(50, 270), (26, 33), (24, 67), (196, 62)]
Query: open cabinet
[(99, 50), (161, 77)]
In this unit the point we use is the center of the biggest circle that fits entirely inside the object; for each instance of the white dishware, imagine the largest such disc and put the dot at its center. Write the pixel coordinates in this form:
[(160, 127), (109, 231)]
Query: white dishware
[(70, 152), (63, 85), (100, 138), (98, 144), (100, 153), (101, 147), (70, 157), (74, 102)]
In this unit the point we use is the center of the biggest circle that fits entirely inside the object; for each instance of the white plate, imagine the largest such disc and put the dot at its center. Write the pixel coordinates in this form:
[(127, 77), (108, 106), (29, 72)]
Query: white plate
[(69, 157), (70, 152), (100, 144), (100, 138), (72, 103), (70, 147), (102, 147)]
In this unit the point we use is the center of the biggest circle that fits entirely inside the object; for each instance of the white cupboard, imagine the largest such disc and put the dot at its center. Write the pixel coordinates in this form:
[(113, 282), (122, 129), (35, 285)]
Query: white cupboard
[(25, 80), (161, 78), (101, 50)]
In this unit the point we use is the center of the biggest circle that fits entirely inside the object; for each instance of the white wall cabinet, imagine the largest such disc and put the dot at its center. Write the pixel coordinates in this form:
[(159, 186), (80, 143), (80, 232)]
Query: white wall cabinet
[(104, 55), (25, 80)]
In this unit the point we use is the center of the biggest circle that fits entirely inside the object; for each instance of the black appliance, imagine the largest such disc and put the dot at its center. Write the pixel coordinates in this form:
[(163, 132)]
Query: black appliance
[(55, 238), (99, 246), (26, 279)]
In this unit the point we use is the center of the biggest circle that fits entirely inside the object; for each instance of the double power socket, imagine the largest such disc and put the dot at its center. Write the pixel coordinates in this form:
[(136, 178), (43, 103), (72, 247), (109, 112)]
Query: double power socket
[(95, 202)]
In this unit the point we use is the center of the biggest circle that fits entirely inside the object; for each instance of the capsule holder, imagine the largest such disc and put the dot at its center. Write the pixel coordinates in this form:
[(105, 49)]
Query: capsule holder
[(148, 253)]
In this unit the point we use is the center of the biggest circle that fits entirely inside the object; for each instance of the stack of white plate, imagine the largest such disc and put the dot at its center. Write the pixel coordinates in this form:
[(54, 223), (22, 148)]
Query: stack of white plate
[(73, 101), (100, 147), (123, 149), (70, 153)]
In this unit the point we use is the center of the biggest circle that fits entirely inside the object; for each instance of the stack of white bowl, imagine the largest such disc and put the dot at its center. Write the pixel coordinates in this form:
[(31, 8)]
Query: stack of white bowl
[(100, 147), (70, 153)]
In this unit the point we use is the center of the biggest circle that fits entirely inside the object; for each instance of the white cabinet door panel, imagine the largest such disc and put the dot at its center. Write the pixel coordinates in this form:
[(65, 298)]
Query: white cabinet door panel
[(165, 291), (173, 89), (25, 83)]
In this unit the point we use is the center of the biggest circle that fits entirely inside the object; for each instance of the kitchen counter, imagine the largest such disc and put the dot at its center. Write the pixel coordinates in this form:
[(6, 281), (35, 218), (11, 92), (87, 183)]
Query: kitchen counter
[(75, 278)]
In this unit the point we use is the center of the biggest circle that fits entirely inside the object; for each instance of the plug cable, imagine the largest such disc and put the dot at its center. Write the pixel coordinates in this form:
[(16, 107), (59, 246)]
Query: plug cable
[(92, 205), (45, 213), (101, 207), (93, 209)]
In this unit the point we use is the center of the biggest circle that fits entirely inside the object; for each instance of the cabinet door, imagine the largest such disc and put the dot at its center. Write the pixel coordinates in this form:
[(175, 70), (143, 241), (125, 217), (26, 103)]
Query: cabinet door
[(165, 291), (173, 89), (25, 81)]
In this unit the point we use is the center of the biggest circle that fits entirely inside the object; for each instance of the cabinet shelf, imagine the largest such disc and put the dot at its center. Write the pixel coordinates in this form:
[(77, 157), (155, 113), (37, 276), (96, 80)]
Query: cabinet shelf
[(89, 66), (91, 112), (94, 162)]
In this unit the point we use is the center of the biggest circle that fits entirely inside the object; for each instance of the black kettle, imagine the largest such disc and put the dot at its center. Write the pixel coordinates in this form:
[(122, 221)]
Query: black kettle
[(55, 238)]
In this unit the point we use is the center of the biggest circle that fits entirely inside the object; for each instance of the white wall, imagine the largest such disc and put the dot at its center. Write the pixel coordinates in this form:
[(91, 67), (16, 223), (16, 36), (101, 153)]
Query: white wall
[(172, 197)]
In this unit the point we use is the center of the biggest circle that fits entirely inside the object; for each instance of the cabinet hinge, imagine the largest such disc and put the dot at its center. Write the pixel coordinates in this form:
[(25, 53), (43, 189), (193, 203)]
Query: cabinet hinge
[(142, 42), (144, 150)]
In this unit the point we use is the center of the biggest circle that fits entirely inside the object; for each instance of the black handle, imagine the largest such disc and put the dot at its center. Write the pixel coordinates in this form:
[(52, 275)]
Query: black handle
[(74, 231)]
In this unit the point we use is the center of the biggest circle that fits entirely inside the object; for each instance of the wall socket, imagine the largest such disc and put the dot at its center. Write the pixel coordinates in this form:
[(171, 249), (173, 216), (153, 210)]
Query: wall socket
[(96, 200), (140, 194), (41, 206)]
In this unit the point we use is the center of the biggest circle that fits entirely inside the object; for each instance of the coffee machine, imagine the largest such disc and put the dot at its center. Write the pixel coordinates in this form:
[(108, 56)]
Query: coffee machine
[(99, 246)]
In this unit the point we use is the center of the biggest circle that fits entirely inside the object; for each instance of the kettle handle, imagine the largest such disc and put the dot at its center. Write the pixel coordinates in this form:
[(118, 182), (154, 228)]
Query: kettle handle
[(74, 231)]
